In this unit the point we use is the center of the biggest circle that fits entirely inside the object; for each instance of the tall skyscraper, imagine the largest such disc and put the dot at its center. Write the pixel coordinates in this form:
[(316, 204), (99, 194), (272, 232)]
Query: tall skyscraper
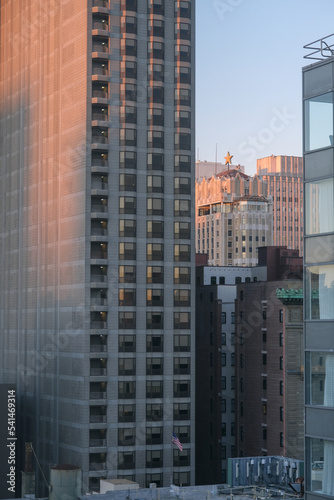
[(97, 172), (284, 176), (318, 96)]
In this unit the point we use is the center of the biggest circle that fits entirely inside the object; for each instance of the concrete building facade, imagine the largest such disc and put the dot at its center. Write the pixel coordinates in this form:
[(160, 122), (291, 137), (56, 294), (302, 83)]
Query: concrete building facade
[(97, 286), (284, 177), (233, 218)]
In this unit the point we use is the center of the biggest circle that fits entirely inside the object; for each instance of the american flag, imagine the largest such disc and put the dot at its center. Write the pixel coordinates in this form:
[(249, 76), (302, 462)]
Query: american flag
[(175, 440)]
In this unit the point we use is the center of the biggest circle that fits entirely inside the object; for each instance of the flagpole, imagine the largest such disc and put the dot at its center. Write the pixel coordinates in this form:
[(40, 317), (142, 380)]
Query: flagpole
[(171, 457)]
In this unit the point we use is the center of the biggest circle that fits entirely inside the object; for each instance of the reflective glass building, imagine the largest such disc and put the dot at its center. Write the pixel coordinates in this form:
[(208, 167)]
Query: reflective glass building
[(318, 96)]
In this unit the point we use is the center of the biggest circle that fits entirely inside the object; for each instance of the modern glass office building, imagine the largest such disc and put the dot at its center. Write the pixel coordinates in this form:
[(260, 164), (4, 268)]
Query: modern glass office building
[(318, 96), (97, 256)]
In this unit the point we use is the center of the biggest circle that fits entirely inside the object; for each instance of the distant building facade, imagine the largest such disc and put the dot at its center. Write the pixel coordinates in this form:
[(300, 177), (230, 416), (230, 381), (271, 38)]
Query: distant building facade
[(215, 367), (284, 175), (233, 218), (269, 362)]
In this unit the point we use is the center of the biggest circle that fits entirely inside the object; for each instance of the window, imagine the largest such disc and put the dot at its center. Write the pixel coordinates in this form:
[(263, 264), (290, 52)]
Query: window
[(155, 73), (129, 25), (127, 227), (232, 318), (155, 116), (223, 359), (155, 94), (126, 320), (264, 358), (264, 408), (223, 406), (128, 69), (182, 230), (155, 251), (318, 116), (319, 390), (154, 366), (281, 414), (154, 229), (181, 320), (182, 208), (181, 343), (319, 206), (155, 161), (154, 435), (126, 390), (127, 159), (154, 297), (155, 206), (154, 320), (126, 413), (126, 437), (319, 292), (232, 358), (181, 298), (281, 338), (127, 274), (127, 182), (155, 139), (181, 253), (129, 5), (126, 366), (154, 412), (183, 75), (126, 297), (127, 251), (128, 92), (232, 405), (127, 205), (126, 460), (182, 119), (156, 7), (154, 343), (182, 163), (128, 137), (155, 27), (281, 439), (154, 388), (281, 315), (181, 411), (182, 97), (181, 366), (182, 185), (182, 31), (281, 363), (182, 275), (223, 318), (129, 48), (281, 388), (126, 343), (182, 140), (264, 384), (154, 274)]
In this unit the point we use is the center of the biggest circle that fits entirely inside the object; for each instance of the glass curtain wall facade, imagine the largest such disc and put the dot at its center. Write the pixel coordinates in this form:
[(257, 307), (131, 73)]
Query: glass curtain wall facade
[(318, 96), (97, 254)]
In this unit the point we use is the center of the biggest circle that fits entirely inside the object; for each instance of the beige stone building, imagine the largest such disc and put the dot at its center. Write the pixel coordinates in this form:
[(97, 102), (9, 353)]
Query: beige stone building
[(284, 175), (233, 218)]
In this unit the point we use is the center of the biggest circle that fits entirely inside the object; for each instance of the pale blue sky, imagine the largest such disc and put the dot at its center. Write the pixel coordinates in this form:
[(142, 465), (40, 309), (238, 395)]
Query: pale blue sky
[(249, 78)]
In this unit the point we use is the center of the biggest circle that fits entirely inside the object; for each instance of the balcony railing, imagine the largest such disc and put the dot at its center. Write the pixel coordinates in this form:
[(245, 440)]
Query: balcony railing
[(100, 93), (97, 442), (99, 231), (98, 348), (101, 3), (100, 71), (98, 372), (99, 117), (100, 139), (99, 208), (97, 47), (99, 162), (99, 278), (96, 325), (99, 185), (97, 419), (99, 25), (97, 466), (98, 395)]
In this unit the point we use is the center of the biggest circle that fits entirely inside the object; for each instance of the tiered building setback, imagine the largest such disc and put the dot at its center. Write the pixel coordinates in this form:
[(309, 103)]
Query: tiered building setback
[(233, 218)]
